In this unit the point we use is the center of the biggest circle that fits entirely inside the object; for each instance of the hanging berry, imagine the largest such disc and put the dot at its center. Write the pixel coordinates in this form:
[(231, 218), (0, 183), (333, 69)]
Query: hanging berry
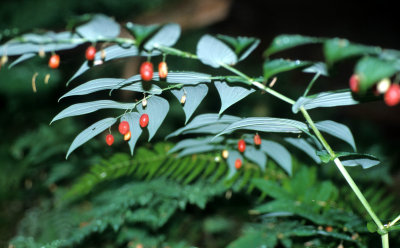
[(383, 85), (392, 95), (183, 99), (144, 120), (127, 136), (354, 83), (241, 145), (238, 163), (109, 139), (54, 61), (123, 127), (90, 53), (257, 139), (162, 70), (225, 154), (146, 71)]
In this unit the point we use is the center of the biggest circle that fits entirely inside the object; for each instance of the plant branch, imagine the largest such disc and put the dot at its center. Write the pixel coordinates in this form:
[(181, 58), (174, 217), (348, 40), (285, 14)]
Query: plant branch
[(310, 85), (392, 223)]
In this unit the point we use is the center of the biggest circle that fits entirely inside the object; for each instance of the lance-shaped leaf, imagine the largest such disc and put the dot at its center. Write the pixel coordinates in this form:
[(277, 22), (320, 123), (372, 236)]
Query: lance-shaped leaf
[(242, 46), (187, 143), (89, 107), (266, 124), (306, 147), (194, 96), (157, 109), (371, 70), (325, 99), (256, 155), (278, 153), (108, 84), (233, 156), (90, 132), (99, 27), (134, 127), (200, 149), (287, 41), (22, 58), (141, 32), (275, 66), (214, 52), (319, 68), (186, 77), (230, 94), (211, 121), (168, 35), (338, 130), (338, 49), (351, 159)]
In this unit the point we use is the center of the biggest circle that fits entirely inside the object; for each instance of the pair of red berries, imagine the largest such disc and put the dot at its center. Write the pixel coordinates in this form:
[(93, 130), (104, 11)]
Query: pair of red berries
[(54, 60), (242, 143), (147, 71), (391, 91), (123, 128)]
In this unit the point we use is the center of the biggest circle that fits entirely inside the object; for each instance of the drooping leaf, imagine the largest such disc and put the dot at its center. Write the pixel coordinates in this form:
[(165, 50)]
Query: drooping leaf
[(157, 109), (108, 84), (134, 127), (242, 46), (167, 35), (275, 66), (194, 96), (338, 49), (319, 68), (233, 156), (256, 155), (205, 120), (22, 58), (214, 52), (186, 143), (200, 149), (278, 153), (89, 107), (90, 132), (287, 41), (371, 70), (325, 99), (230, 94), (266, 124), (141, 32), (99, 27), (306, 147), (338, 130)]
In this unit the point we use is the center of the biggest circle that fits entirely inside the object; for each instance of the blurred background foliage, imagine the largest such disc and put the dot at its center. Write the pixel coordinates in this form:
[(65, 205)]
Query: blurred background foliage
[(34, 176)]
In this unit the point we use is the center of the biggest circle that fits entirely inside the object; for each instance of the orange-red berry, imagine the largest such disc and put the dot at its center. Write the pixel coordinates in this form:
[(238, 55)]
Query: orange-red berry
[(238, 163), (123, 127), (109, 139), (54, 61), (90, 53), (144, 120), (162, 69), (392, 95), (146, 71), (354, 83), (241, 145), (257, 139)]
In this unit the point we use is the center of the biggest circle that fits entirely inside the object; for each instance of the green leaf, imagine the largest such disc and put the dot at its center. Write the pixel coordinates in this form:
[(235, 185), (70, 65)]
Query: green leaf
[(99, 27), (325, 100), (275, 66), (199, 149), (194, 96), (266, 124), (90, 132), (353, 159), (206, 120), (230, 94), (278, 153), (141, 32), (371, 70), (338, 49), (22, 58), (287, 41), (254, 239), (319, 68), (338, 130), (306, 147), (186, 143), (89, 107), (242, 46), (167, 35), (108, 84), (187, 77), (271, 188), (256, 155), (133, 120), (214, 53), (157, 108), (324, 156)]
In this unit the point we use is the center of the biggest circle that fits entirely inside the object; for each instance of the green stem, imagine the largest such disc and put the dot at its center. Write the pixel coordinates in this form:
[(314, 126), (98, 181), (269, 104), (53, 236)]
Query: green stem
[(310, 85), (237, 72), (174, 51), (392, 223), (385, 240)]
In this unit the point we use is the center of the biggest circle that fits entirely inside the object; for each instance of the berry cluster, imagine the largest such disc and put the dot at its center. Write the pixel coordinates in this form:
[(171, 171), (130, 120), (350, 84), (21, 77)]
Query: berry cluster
[(241, 148), (124, 129)]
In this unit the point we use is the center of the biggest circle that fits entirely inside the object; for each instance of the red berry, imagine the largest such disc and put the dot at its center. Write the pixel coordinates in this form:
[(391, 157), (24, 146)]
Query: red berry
[(123, 127), (163, 69), (54, 61), (354, 83), (109, 139), (392, 95), (146, 71), (238, 163), (257, 140), (90, 53), (144, 120), (241, 145)]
